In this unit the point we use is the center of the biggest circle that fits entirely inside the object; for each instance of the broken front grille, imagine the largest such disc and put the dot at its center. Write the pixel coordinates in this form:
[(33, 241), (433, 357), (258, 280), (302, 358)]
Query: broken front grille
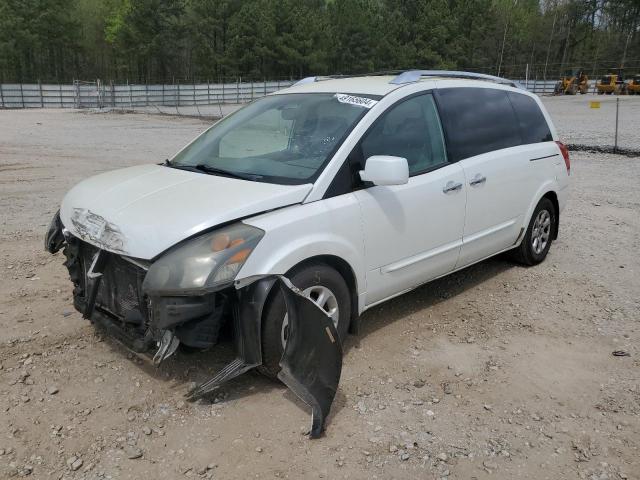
[(110, 295), (120, 289)]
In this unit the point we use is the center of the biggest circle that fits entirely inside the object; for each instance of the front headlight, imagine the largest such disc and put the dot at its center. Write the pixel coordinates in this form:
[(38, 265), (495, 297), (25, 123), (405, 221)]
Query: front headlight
[(204, 263)]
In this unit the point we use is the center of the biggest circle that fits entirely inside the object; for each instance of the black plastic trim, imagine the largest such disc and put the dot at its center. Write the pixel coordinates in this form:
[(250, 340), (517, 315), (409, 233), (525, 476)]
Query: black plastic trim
[(54, 239), (247, 332), (542, 158), (311, 364)]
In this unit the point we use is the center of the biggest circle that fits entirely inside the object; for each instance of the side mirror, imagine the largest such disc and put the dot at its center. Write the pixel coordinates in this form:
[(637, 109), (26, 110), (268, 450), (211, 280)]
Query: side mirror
[(385, 170)]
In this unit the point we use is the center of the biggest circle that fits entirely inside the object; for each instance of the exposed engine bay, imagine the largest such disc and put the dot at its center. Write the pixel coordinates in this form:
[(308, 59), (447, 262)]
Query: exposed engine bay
[(108, 290)]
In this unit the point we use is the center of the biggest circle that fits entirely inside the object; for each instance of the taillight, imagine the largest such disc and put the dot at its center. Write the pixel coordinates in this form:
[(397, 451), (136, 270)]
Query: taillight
[(565, 154)]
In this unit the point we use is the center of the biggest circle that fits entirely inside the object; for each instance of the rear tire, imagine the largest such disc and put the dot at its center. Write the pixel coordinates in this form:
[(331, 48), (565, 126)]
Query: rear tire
[(314, 279), (539, 236)]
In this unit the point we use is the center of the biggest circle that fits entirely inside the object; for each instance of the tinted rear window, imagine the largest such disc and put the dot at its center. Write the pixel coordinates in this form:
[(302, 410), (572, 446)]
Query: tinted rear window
[(477, 120), (533, 125)]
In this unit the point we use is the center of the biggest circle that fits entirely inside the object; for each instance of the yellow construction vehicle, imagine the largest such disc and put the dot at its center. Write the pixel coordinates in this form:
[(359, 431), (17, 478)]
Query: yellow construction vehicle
[(612, 83), (633, 86), (572, 82)]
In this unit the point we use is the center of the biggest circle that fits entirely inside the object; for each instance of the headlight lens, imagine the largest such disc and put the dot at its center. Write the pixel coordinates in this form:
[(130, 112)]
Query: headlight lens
[(205, 262)]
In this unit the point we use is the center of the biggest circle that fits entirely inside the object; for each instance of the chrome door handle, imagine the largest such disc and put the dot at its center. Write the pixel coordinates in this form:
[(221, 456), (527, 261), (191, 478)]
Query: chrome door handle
[(452, 187), (478, 180)]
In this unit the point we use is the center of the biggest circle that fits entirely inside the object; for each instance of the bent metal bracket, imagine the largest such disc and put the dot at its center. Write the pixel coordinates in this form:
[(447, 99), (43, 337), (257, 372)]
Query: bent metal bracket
[(312, 360)]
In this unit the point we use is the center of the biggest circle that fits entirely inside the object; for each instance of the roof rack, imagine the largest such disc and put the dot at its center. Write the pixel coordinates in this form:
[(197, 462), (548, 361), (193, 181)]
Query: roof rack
[(320, 78), (411, 76), (305, 80)]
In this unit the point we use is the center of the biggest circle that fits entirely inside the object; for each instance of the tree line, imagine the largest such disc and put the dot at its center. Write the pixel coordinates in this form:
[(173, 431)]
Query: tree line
[(156, 41)]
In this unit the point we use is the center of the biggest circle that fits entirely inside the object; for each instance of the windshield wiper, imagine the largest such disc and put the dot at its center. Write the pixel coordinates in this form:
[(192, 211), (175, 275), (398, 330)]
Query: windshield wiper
[(220, 171), (208, 169)]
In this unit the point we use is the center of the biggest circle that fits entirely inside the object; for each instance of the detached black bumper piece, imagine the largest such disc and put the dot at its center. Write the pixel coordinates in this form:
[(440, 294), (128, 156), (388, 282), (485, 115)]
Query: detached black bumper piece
[(312, 359)]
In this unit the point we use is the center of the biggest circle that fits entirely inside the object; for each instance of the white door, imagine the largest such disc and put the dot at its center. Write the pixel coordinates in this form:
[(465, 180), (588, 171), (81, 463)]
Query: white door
[(501, 140), (496, 200), (412, 232), (500, 188)]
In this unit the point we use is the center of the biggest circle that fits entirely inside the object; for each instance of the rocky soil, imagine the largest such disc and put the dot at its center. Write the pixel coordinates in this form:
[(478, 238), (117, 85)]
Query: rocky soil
[(498, 371)]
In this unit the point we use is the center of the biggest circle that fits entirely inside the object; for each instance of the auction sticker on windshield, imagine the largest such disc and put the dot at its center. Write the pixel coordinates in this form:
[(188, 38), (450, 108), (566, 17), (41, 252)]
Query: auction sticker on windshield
[(353, 100)]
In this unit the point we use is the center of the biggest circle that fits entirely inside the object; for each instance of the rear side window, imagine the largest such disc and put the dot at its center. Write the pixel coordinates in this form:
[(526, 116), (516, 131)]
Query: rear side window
[(533, 125), (477, 120)]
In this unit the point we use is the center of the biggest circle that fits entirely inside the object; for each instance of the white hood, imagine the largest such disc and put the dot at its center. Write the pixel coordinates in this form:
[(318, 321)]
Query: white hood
[(141, 211)]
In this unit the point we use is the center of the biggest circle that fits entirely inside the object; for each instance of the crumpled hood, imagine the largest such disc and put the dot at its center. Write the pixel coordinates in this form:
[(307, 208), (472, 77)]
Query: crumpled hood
[(142, 211)]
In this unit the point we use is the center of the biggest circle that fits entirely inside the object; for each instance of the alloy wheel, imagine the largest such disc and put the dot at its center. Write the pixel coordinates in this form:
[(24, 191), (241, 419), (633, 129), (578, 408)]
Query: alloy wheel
[(321, 296), (541, 232)]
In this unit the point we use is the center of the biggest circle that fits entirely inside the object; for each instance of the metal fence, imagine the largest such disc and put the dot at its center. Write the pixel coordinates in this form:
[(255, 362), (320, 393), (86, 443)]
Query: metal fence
[(541, 87), (98, 95)]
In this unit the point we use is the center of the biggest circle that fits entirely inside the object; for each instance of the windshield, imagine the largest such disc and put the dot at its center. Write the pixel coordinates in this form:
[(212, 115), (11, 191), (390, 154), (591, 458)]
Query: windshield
[(284, 138)]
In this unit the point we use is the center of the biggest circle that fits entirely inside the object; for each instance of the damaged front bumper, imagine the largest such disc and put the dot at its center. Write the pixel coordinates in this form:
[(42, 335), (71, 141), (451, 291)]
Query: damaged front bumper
[(108, 290)]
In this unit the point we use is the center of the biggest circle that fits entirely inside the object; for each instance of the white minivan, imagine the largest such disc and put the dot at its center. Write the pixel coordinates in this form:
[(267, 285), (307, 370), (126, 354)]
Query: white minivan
[(356, 189)]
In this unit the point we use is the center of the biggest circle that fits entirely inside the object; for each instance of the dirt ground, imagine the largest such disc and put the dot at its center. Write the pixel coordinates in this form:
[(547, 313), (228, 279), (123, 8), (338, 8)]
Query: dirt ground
[(498, 371), (580, 124)]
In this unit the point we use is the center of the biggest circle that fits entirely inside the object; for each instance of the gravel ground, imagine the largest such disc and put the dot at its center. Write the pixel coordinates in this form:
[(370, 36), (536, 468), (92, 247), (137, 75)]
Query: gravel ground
[(577, 123), (498, 371)]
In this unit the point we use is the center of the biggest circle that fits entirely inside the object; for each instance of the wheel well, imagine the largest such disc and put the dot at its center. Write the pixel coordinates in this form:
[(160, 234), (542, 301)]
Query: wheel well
[(554, 199), (344, 269)]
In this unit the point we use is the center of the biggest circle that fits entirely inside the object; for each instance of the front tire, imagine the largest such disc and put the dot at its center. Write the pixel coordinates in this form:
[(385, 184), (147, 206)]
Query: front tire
[(326, 287), (539, 236)]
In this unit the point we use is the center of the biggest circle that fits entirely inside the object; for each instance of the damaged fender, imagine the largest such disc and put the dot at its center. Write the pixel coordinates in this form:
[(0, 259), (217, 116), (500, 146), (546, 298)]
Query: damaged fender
[(247, 334)]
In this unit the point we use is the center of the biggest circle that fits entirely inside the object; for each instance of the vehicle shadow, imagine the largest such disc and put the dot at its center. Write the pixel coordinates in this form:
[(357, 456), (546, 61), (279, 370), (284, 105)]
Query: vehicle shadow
[(428, 295)]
